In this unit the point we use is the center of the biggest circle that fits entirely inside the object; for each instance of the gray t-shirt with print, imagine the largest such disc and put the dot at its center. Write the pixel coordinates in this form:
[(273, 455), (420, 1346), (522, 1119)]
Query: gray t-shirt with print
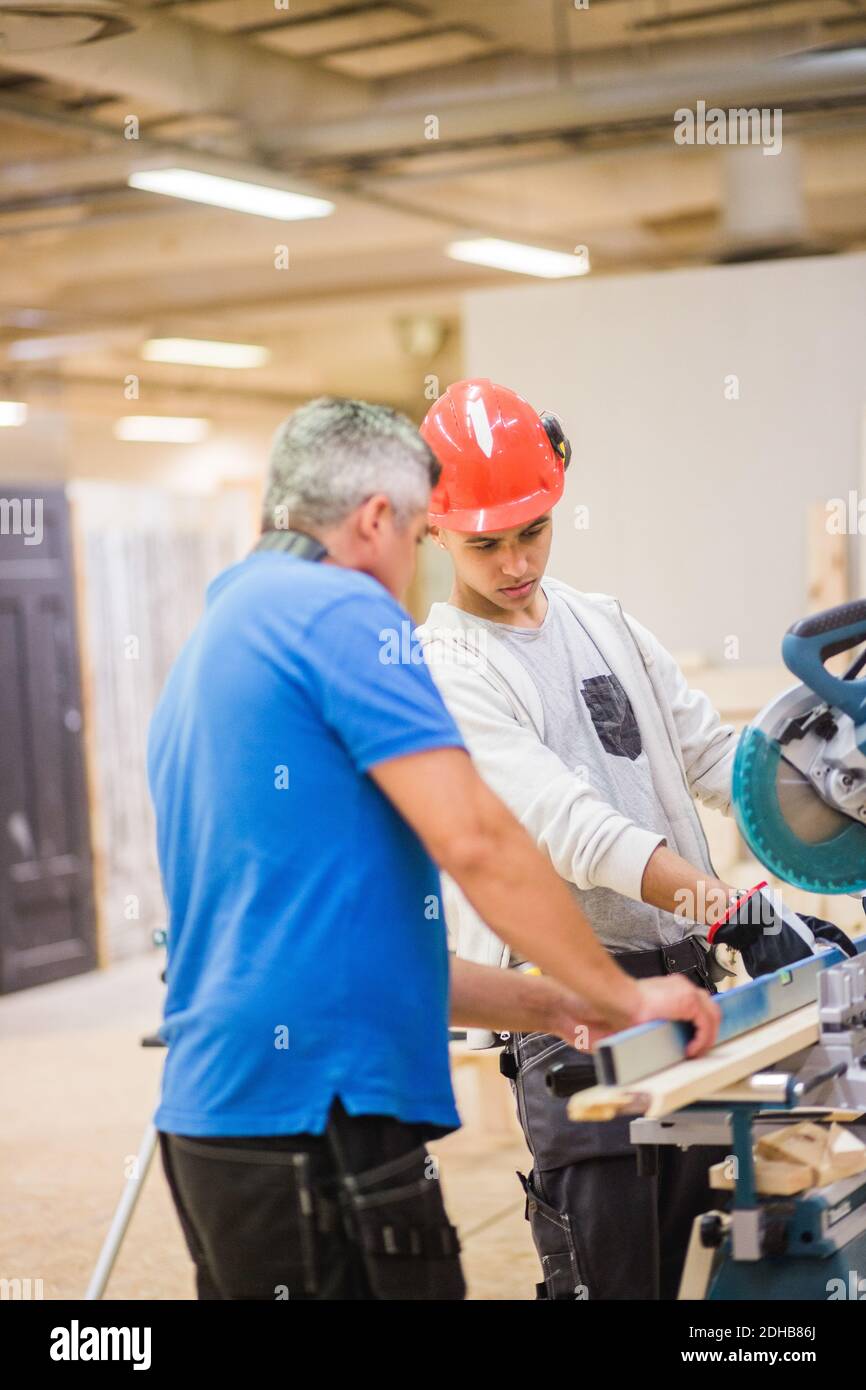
[(590, 724)]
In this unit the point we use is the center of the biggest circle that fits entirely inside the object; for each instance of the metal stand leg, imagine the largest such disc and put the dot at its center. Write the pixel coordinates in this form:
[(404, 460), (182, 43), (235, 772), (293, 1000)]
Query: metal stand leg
[(122, 1217)]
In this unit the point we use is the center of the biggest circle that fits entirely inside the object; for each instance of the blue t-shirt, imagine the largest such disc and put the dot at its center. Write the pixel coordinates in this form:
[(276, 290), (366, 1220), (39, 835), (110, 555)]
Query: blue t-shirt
[(307, 956)]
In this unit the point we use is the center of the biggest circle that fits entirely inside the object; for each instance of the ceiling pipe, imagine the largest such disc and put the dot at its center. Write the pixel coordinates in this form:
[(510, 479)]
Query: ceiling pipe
[(558, 114), (627, 93), (501, 74)]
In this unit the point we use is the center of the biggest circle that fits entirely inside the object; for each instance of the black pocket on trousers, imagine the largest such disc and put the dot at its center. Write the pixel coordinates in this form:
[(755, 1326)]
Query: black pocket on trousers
[(254, 1215), (554, 1243), (397, 1216), (612, 716)]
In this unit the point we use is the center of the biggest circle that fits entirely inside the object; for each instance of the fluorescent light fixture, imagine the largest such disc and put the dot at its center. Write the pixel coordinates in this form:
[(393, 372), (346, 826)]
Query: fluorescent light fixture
[(255, 198), (58, 345), (523, 260), (199, 352), (12, 413), (160, 429)]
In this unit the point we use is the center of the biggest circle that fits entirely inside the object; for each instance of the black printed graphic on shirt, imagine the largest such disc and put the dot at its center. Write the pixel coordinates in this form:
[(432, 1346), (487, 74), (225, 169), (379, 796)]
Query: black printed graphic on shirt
[(612, 716)]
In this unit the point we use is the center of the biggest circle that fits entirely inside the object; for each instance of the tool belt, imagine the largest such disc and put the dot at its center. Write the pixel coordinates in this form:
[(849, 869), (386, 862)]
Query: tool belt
[(685, 958)]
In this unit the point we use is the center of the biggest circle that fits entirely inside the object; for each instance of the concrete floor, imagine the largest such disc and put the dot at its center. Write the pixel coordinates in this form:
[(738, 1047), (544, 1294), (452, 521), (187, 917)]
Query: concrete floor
[(77, 1092)]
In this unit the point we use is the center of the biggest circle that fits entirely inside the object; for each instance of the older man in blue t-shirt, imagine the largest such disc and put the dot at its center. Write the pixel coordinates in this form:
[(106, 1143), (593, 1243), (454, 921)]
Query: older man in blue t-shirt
[(307, 780)]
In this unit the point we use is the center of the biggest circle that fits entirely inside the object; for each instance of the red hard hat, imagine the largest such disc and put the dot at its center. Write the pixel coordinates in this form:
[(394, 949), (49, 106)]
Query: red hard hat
[(502, 462)]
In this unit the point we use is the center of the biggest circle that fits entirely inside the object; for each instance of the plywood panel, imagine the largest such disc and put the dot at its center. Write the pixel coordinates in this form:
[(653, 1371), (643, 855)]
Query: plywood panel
[(146, 559)]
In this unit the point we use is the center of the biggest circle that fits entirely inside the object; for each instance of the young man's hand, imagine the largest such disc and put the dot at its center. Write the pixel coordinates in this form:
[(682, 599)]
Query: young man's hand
[(674, 997)]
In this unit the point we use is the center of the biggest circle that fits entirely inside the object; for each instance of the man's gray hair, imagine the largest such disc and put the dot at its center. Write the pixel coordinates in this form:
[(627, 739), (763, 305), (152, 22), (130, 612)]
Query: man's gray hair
[(333, 454)]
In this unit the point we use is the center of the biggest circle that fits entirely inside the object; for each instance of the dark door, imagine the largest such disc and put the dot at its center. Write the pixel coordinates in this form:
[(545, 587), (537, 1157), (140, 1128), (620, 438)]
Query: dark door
[(46, 901)]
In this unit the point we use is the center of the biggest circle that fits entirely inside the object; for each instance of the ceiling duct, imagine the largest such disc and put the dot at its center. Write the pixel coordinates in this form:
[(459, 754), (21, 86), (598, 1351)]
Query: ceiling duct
[(597, 89), (181, 67), (764, 215)]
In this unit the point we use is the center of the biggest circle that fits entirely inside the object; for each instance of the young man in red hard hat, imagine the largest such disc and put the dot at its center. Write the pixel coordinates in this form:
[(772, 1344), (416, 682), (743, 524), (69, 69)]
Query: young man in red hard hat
[(585, 726)]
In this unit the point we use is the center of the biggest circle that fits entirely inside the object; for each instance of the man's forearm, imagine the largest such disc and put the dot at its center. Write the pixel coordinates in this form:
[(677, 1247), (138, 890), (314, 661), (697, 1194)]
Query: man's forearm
[(485, 996), (674, 885)]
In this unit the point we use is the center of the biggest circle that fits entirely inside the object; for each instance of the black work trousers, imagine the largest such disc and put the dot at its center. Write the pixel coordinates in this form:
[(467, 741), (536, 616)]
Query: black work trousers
[(354, 1213), (603, 1229)]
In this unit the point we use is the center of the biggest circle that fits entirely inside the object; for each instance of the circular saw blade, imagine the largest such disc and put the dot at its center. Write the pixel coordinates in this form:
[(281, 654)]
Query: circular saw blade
[(805, 813), (788, 826)]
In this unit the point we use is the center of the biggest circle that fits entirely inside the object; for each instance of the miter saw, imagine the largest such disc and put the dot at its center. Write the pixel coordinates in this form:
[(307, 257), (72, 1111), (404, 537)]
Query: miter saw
[(799, 794), (799, 786)]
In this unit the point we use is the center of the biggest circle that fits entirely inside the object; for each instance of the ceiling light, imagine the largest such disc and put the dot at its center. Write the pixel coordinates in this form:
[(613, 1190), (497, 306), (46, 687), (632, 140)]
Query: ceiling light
[(523, 260), (58, 345), (256, 198), (12, 413), (160, 429), (200, 352)]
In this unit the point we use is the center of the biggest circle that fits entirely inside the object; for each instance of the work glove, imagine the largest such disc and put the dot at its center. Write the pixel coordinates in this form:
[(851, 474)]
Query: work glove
[(768, 935)]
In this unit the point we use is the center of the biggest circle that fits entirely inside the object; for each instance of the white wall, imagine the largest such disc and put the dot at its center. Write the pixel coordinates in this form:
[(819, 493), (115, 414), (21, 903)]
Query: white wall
[(697, 503), (36, 450)]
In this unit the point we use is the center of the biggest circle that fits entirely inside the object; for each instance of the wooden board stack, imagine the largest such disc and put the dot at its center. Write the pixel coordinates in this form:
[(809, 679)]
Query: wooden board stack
[(797, 1157)]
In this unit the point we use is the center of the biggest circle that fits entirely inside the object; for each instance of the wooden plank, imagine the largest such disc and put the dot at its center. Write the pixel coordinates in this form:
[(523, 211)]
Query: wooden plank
[(797, 1157), (830, 1152), (860, 564), (699, 1078), (481, 1097), (772, 1179), (827, 572), (826, 563)]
